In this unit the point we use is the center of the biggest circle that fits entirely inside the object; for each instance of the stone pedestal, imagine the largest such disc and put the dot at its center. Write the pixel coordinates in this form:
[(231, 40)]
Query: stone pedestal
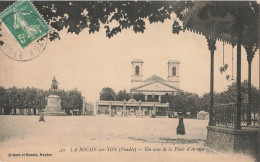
[(53, 107), (245, 140)]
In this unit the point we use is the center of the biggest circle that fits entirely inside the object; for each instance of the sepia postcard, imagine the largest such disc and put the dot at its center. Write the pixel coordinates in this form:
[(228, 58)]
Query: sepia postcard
[(127, 81)]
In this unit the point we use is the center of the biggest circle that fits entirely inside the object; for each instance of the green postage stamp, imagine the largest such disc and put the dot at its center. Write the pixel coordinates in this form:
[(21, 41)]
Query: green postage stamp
[(24, 22)]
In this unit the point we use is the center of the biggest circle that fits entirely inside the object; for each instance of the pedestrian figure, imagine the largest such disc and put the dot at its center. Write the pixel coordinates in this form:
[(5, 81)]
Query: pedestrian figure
[(180, 128), (41, 117)]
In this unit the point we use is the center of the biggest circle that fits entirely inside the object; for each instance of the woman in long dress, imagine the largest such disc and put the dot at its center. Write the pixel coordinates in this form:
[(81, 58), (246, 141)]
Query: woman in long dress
[(180, 128)]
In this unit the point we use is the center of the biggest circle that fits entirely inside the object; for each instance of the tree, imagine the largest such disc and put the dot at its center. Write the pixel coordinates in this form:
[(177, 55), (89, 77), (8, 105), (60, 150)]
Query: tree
[(168, 97), (203, 102), (76, 16), (64, 99), (75, 99), (40, 100), (2, 98), (123, 95), (24, 98), (11, 97), (139, 96), (185, 102), (107, 94), (20, 98), (192, 103), (179, 102), (2, 94), (229, 96), (30, 98)]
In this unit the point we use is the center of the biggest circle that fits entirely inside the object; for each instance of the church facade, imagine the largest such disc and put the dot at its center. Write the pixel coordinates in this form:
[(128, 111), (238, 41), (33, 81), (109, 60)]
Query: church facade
[(154, 87)]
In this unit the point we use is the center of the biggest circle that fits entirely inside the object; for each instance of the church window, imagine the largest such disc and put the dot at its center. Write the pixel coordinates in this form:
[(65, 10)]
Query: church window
[(137, 70), (174, 71)]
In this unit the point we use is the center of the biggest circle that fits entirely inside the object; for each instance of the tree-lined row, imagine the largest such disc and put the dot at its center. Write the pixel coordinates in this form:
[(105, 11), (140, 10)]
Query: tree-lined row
[(33, 98), (183, 101), (229, 96)]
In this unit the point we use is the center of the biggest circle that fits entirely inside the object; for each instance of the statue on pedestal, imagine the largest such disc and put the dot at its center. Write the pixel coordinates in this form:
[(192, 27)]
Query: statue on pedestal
[(53, 107), (54, 85)]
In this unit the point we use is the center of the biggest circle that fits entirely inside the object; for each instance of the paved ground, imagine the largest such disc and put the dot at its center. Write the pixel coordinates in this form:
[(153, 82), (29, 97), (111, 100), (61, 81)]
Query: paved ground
[(100, 138)]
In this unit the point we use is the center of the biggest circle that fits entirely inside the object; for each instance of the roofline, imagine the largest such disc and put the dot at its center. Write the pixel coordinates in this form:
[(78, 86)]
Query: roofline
[(137, 61), (174, 61), (152, 83)]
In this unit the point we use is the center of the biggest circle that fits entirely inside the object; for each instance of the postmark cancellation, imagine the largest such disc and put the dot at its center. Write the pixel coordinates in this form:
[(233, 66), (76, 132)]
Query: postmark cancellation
[(23, 31)]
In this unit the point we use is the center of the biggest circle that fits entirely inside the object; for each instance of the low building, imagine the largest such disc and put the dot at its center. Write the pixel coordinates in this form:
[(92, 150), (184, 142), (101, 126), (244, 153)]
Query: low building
[(88, 109), (133, 108), (203, 115)]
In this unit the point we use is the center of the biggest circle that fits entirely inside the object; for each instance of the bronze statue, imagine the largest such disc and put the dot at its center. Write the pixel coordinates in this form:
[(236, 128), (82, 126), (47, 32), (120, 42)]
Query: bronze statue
[(54, 85)]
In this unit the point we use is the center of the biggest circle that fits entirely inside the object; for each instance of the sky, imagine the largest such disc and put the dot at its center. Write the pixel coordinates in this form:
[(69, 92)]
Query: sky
[(90, 62)]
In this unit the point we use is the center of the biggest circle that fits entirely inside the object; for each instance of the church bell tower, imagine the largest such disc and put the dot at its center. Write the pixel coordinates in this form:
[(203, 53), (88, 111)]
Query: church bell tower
[(174, 72), (137, 72)]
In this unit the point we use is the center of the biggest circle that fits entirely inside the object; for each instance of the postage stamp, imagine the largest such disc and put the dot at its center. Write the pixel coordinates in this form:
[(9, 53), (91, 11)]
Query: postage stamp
[(22, 22)]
